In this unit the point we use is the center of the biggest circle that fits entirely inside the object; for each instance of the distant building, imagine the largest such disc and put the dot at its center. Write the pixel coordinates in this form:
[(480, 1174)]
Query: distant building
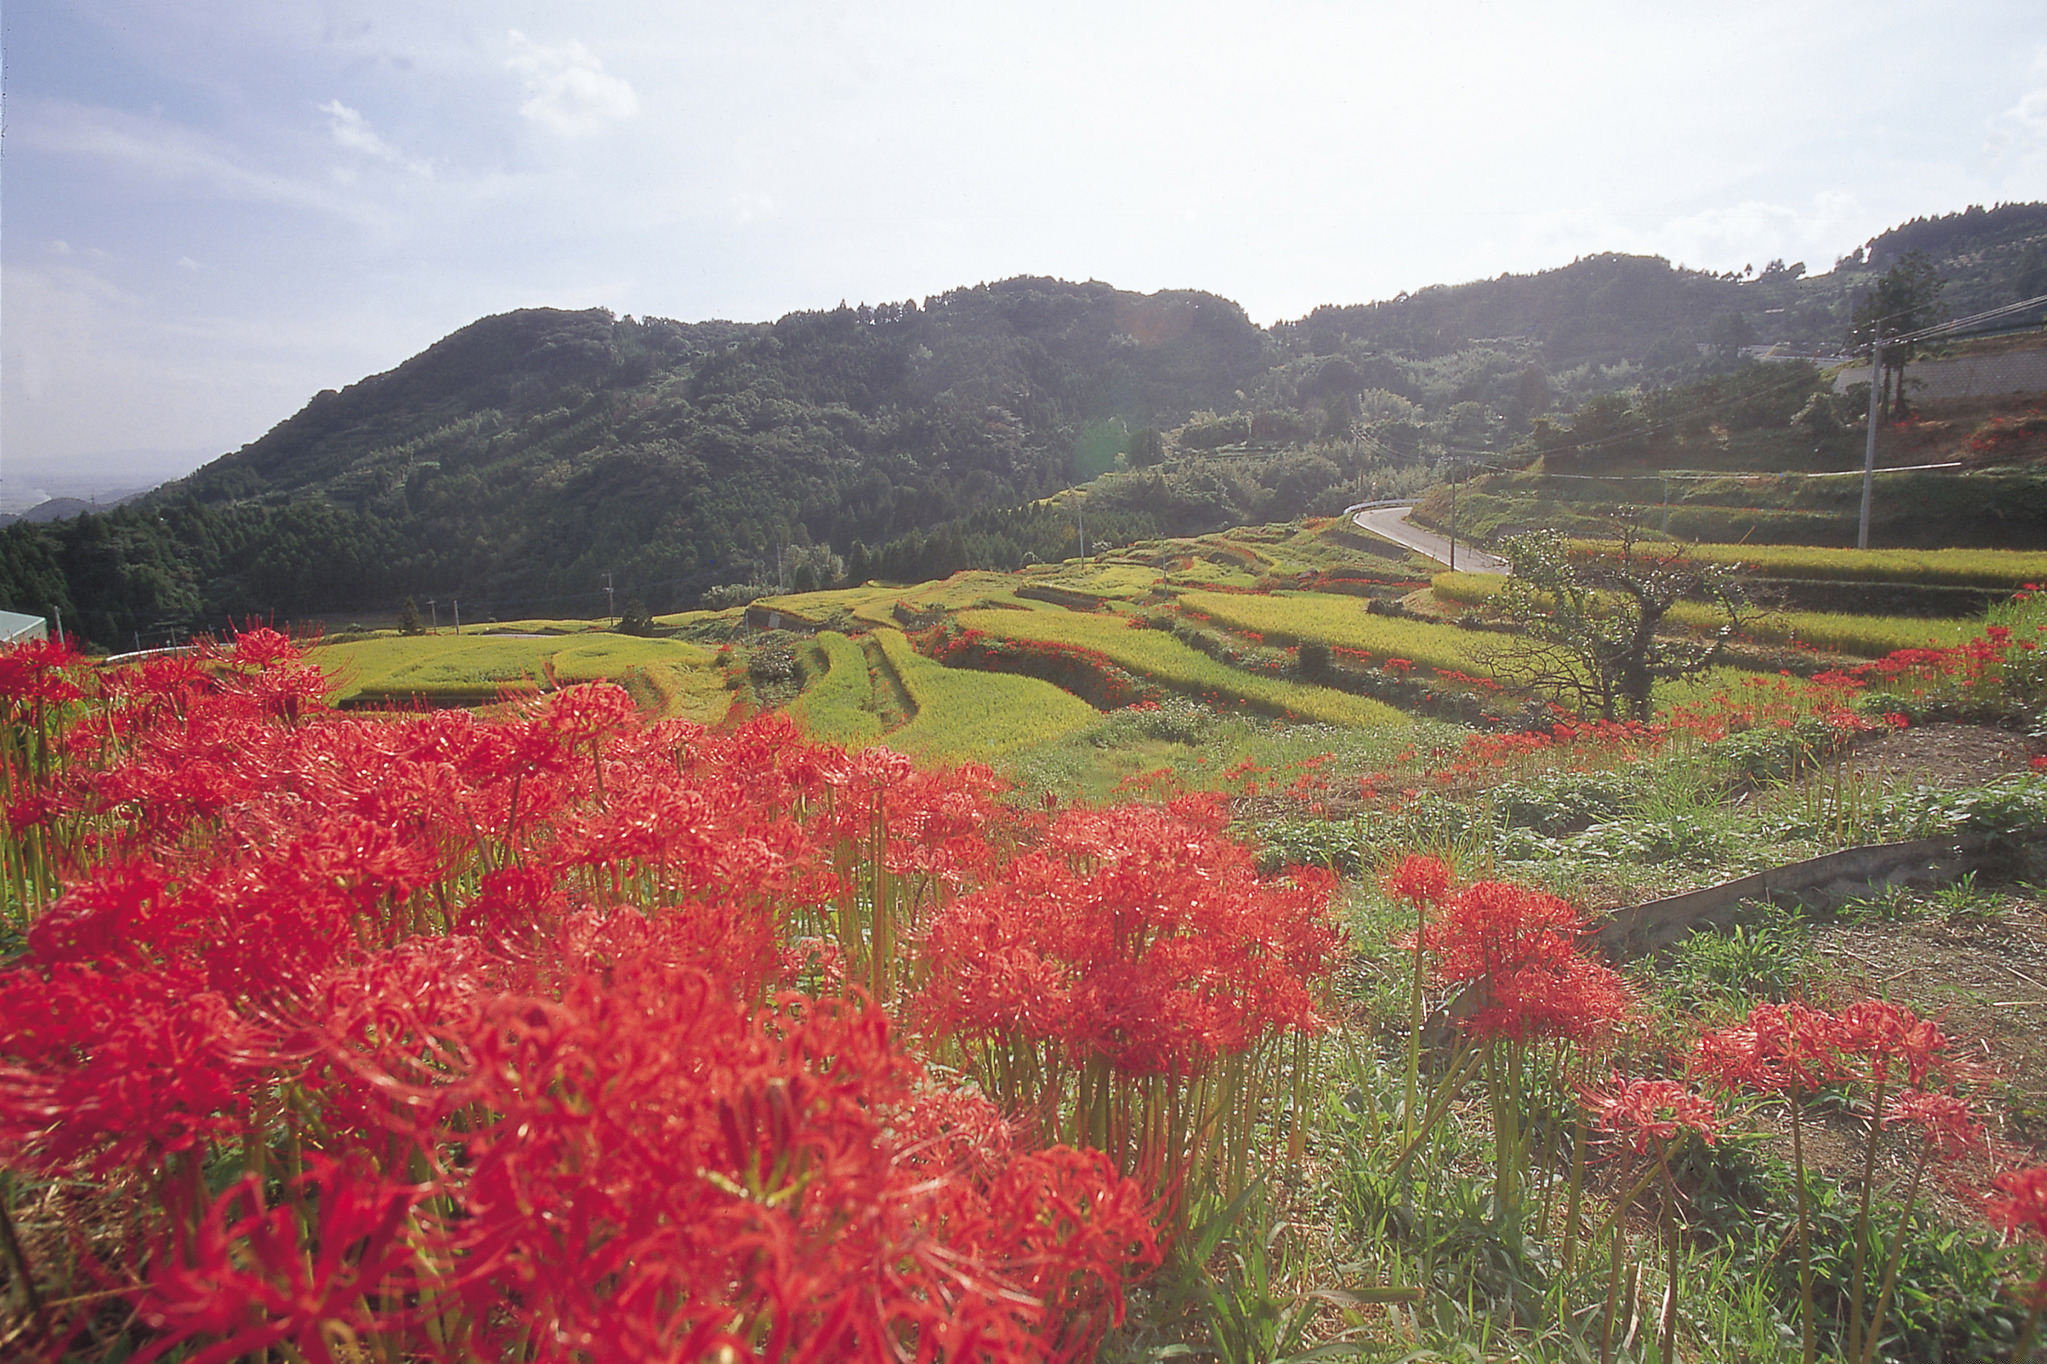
[(16, 628)]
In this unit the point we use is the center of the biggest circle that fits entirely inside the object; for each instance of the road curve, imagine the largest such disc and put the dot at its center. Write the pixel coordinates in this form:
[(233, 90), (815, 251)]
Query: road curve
[(1391, 523)]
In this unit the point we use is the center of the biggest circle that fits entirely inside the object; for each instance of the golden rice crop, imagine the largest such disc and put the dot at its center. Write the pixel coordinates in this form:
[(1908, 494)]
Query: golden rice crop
[(1995, 568), (838, 707), (476, 668), (1157, 655), (1325, 618), (965, 714), (1841, 632)]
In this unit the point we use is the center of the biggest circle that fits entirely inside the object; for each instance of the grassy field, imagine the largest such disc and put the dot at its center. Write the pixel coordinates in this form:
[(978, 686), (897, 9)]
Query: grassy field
[(839, 706), (1157, 655), (967, 715), (1320, 618)]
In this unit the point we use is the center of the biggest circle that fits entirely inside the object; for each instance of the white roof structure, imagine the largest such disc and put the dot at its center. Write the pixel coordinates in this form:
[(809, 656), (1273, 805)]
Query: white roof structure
[(16, 628)]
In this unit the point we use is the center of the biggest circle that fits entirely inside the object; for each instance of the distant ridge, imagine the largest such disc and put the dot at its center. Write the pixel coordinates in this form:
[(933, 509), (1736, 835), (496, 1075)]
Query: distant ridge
[(522, 459)]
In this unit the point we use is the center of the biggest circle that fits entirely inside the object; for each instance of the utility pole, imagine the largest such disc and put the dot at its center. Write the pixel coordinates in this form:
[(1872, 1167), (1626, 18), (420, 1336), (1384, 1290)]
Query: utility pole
[(1453, 520), (434, 614), (1876, 364), (60, 621), (457, 604), (608, 611), (1080, 514)]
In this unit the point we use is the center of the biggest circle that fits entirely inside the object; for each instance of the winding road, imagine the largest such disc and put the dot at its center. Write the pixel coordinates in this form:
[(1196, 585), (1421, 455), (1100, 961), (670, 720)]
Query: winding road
[(1390, 523)]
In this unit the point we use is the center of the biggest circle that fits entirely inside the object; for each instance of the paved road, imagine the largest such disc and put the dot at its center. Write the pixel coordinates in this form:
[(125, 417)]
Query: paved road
[(1391, 522)]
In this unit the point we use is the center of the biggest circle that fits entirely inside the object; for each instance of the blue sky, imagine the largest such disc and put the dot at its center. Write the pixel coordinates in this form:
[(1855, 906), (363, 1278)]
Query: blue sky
[(211, 209)]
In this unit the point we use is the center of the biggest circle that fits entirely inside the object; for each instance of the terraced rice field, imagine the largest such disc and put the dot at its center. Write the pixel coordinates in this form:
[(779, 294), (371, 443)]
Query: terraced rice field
[(1165, 660), (1343, 622), (448, 669), (1838, 632), (1995, 568), (964, 714), (838, 707)]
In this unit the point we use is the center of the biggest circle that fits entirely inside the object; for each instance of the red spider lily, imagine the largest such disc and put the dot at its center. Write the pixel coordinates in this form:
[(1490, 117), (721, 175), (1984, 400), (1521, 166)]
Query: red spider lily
[(2018, 1207), (669, 1170), (1945, 1122), (252, 1278), (1140, 936), (1518, 950), (1642, 1111), (1881, 1038), (1779, 1047), (120, 1070), (1418, 880)]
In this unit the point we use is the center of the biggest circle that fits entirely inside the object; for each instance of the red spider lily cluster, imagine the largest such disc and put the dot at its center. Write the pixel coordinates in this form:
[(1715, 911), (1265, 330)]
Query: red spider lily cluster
[(1517, 956), (1905, 1067), (536, 1035), (1873, 1043), (1642, 1111), (2017, 1206), (1758, 702), (1122, 967)]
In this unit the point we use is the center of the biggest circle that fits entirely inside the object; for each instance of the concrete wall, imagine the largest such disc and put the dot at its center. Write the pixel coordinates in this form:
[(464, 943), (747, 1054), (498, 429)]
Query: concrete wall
[(1638, 930)]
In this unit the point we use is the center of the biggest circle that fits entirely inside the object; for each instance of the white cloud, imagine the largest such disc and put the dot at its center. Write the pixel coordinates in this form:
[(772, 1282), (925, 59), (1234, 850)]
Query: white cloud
[(153, 149), (187, 263), (352, 131), (2026, 121), (567, 88), (749, 208)]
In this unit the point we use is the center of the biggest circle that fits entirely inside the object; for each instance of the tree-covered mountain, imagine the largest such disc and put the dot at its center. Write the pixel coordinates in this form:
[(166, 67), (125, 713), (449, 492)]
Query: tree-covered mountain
[(522, 459)]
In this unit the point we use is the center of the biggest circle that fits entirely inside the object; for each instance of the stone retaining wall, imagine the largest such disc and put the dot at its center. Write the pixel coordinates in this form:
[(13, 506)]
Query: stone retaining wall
[(1639, 930)]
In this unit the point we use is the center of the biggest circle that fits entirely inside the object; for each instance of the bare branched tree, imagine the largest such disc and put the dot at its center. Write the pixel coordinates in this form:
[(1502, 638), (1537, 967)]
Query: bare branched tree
[(1591, 630)]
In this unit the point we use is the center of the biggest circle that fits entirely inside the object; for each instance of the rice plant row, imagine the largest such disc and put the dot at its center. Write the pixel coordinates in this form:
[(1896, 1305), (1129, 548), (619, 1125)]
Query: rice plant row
[(1157, 655), (964, 714), (1343, 622), (1995, 568), (1863, 636), (838, 707)]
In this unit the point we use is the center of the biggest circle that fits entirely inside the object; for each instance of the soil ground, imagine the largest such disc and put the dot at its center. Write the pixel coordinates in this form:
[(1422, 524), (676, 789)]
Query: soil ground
[(1973, 956), (1939, 755)]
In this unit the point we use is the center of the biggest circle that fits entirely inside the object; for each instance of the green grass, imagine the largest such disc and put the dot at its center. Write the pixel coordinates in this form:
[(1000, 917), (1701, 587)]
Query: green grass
[(1158, 656), (963, 714), (838, 707), (1322, 618)]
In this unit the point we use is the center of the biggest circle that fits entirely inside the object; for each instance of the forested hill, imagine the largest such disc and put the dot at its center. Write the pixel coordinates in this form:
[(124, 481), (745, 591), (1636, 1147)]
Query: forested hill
[(1607, 309), (522, 459)]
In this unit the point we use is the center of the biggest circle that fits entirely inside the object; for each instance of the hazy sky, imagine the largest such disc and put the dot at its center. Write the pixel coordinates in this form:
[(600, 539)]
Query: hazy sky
[(215, 208)]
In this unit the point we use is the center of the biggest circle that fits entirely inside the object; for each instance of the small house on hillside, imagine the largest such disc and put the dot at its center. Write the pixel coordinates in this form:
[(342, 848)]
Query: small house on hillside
[(16, 628)]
